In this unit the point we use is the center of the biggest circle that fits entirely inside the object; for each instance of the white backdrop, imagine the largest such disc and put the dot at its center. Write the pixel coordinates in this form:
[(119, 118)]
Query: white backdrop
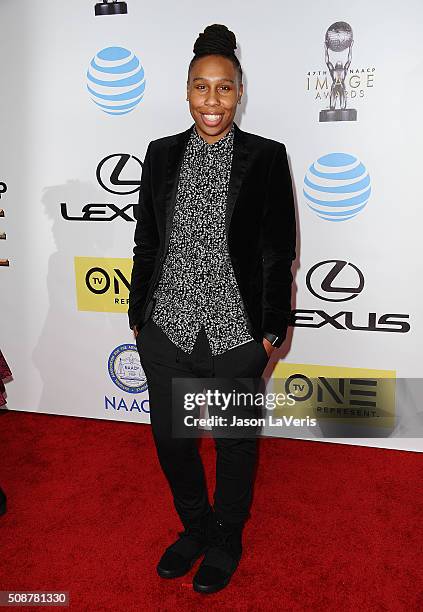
[(54, 138)]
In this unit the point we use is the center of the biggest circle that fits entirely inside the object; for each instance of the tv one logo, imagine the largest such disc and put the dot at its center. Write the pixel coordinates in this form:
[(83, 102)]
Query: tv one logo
[(338, 393), (336, 280), (102, 283)]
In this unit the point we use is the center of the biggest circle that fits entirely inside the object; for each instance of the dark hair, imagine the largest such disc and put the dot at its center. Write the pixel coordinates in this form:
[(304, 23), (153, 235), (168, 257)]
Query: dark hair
[(216, 40)]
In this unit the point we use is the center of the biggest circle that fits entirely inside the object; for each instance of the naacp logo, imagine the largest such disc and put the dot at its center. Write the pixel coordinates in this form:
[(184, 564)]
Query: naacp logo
[(337, 187), (125, 369), (116, 80), (340, 83), (339, 38), (335, 280)]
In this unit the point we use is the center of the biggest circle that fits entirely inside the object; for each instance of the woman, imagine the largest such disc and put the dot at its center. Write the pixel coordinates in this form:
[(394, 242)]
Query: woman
[(210, 293), (4, 374)]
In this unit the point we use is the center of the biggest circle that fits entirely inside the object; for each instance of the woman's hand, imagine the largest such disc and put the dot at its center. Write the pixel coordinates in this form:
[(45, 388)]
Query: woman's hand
[(135, 330)]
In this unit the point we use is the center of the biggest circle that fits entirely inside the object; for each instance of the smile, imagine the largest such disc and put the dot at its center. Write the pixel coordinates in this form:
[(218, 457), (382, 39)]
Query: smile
[(211, 120)]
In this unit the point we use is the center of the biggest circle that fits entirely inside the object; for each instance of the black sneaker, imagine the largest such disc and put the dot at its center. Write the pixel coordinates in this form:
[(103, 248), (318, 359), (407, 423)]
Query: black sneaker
[(221, 559), (180, 556)]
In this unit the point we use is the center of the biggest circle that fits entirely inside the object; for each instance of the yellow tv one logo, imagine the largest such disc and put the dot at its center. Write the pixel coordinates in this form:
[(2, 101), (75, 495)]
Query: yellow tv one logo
[(102, 283), (345, 394)]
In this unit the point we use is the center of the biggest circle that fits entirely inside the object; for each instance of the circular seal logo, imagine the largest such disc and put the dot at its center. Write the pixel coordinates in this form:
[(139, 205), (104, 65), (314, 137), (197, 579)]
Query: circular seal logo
[(337, 187), (115, 80), (125, 369)]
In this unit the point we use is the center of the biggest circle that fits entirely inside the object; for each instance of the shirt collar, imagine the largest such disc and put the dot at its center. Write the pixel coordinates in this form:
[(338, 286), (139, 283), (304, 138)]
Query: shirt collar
[(222, 143)]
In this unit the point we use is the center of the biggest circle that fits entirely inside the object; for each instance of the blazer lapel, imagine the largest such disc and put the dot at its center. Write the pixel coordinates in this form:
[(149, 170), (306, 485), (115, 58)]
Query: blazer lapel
[(238, 170), (174, 163)]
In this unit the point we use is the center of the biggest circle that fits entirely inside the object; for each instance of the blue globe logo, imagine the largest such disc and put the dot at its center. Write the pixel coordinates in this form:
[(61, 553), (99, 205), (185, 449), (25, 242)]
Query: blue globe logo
[(116, 80), (337, 187)]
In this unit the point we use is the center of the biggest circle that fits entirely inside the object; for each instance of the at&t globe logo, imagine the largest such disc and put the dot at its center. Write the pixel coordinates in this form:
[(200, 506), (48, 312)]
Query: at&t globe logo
[(116, 80), (337, 187)]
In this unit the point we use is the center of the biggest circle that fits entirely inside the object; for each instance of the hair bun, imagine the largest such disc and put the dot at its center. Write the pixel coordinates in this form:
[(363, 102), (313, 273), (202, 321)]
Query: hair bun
[(217, 39)]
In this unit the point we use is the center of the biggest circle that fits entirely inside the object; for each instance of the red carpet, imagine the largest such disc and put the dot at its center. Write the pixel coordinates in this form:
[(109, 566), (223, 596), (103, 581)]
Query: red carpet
[(333, 527)]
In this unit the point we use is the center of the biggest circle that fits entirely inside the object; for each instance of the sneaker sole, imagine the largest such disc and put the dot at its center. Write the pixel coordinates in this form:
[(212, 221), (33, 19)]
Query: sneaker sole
[(178, 573), (199, 588)]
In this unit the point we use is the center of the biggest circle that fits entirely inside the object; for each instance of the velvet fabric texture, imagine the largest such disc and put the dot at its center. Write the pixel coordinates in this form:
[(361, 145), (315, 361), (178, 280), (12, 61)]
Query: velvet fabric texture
[(260, 227)]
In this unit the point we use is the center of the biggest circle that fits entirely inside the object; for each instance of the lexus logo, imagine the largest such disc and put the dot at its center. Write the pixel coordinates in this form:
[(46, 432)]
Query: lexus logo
[(335, 280), (115, 173), (111, 172)]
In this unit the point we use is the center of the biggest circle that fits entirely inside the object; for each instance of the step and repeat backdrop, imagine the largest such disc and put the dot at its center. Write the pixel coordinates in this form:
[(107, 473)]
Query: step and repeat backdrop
[(82, 96)]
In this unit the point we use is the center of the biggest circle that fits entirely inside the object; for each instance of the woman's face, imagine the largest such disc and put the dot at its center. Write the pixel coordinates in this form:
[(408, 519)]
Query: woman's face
[(213, 91)]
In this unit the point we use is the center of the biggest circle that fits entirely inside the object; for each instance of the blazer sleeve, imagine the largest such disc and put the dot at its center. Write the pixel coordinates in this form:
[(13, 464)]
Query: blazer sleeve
[(146, 241), (279, 246)]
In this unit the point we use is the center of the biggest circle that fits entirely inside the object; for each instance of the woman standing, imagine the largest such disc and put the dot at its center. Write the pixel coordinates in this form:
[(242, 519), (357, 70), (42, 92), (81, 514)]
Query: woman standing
[(210, 293), (4, 374)]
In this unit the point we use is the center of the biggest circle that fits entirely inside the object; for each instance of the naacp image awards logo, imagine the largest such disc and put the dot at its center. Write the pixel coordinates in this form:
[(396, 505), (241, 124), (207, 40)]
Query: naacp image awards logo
[(340, 83)]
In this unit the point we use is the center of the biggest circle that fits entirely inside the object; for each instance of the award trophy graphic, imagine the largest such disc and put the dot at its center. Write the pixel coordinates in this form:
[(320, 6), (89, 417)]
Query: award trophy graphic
[(339, 38)]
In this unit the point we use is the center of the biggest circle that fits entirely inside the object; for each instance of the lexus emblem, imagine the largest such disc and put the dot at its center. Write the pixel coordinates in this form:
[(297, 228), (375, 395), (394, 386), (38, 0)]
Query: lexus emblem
[(335, 280)]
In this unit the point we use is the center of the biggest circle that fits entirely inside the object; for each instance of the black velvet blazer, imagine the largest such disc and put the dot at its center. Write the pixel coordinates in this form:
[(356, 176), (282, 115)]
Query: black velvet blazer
[(260, 227)]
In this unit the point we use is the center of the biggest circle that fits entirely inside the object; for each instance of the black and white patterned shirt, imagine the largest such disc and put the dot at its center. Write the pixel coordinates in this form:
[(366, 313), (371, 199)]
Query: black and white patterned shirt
[(198, 285)]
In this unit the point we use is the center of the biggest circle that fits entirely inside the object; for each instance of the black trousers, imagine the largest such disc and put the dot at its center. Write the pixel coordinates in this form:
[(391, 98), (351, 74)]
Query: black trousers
[(179, 458)]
